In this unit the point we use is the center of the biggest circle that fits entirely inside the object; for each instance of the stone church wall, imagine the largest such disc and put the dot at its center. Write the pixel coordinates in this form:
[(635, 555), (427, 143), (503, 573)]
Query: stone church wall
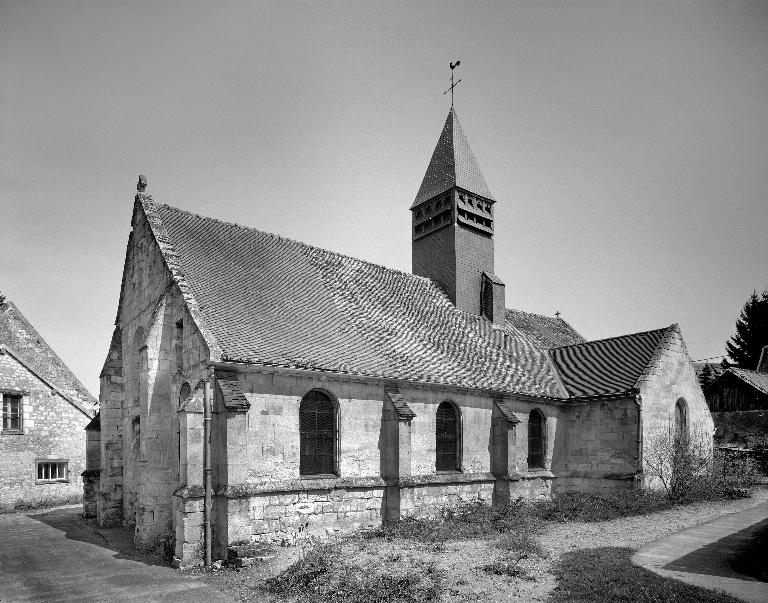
[(599, 448), (52, 429), (386, 466), (156, 348), (672, 378)]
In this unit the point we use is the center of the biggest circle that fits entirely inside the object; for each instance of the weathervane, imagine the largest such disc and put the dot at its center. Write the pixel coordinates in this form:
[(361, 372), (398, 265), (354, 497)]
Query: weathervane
[(453, 66)]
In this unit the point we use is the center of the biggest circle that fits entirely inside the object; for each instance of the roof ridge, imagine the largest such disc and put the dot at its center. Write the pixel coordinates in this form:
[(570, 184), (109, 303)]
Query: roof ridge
[(284, 238), (738, 368), (573, 345), (35, 334)]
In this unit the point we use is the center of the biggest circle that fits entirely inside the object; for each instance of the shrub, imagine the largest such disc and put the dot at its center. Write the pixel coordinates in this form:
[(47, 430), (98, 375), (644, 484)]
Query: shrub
[(325, 576), (602, 505)]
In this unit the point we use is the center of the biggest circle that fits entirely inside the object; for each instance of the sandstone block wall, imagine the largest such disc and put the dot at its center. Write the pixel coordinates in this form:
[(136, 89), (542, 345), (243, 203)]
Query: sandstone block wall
[(156, 349), (53, 429), (672, 378), (600, 440)]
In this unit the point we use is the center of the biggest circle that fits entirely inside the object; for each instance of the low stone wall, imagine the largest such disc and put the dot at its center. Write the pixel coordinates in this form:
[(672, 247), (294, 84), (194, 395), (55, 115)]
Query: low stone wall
[(592, 484)]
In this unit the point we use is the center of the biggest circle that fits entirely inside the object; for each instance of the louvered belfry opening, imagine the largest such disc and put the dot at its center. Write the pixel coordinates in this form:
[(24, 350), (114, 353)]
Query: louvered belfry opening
[(447, 435), (536, 440), (317, 425)]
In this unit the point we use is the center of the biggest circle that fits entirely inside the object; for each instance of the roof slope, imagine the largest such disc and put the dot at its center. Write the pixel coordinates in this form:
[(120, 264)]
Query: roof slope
[(21, 337), (452, 164), (270, 300), (606, 366), (754, 378)]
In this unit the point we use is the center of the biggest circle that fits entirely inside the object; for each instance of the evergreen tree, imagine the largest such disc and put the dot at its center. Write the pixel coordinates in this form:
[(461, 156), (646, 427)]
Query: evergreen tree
[(707, 375), (751, 335)]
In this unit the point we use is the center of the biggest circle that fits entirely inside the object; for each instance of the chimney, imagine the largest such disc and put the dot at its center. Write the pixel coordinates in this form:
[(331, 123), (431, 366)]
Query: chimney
[(762, 364)]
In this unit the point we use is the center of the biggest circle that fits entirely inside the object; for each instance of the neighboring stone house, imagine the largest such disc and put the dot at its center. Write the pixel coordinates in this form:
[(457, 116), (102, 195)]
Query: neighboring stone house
[(344, 392), (738, 400), (45, 407)]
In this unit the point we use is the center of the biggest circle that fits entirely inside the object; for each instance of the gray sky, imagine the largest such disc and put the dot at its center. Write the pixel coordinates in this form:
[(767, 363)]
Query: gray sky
[(625, 143)]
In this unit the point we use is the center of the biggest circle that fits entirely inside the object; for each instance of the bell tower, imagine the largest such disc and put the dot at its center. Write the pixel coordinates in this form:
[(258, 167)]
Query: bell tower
[(452, 226)]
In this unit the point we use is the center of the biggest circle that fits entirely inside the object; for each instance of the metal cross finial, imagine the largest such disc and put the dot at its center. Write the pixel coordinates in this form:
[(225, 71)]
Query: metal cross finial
[(453, 66), (557, 314)]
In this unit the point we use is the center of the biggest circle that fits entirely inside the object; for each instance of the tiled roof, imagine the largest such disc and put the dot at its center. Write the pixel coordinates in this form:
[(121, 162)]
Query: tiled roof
[(506, 409), (21, 337), (400, 403), (606, 366), (234, 398), (757, 380), (452, 164), (546, 331), (270, 300)]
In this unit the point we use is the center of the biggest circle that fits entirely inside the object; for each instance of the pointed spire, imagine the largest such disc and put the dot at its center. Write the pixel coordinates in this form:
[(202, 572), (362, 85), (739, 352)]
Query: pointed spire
[(452, 164)]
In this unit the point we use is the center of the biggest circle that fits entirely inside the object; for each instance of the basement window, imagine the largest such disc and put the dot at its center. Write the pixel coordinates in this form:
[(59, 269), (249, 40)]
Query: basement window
[(52, 471), (12, 415)]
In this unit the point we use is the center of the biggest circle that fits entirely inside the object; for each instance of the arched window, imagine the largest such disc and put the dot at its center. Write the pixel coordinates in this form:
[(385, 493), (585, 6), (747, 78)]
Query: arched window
[(448, 438), (184, 393), (317, 427), (536, 436), (681, 419)]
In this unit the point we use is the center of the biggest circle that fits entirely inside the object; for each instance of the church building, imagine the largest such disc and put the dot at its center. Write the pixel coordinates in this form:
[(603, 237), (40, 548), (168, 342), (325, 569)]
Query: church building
[(256, 385)]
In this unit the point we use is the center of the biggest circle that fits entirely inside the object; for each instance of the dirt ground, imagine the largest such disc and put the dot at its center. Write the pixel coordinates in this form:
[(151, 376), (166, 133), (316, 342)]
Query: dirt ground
[(461, 562)]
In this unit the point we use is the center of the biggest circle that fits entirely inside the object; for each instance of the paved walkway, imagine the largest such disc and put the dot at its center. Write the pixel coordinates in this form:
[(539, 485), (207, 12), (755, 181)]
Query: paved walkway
[(702, 554), (56, 556)]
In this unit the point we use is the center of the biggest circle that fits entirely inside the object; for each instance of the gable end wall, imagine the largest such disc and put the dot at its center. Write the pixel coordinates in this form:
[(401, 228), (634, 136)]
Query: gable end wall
[(53, 428), (671, 376)]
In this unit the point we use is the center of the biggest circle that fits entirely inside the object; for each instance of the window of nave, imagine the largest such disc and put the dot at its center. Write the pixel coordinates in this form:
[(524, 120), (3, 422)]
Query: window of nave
[(448, 437), (537, 428), (318, 434)]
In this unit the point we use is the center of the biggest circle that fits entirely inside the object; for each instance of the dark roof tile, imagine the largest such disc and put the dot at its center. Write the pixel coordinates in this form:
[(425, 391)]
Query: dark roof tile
[(270, 300), (606, 366)]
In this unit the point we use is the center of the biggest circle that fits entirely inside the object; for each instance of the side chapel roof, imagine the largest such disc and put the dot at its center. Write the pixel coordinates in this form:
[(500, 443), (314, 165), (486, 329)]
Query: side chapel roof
[(607, 366), (29, 348), (270, 300)]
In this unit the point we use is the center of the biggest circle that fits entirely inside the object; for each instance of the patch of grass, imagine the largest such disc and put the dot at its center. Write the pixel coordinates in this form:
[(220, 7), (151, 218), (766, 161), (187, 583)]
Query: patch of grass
[(325, 576), (468, 521), (21, 505), (507, 568), (607, 574), (601, 505)]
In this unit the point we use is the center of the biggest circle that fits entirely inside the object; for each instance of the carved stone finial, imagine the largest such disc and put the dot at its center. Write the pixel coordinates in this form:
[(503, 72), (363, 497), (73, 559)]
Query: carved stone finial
[(142, 184)]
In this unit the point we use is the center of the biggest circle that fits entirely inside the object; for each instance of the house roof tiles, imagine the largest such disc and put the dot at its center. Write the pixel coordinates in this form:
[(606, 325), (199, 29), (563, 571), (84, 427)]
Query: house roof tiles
[(270, 300), (33, 351), (754, 378)]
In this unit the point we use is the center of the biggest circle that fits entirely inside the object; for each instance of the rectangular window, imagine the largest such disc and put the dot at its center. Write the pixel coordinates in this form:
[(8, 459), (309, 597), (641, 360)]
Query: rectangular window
[(12, 414), (52, 471)]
